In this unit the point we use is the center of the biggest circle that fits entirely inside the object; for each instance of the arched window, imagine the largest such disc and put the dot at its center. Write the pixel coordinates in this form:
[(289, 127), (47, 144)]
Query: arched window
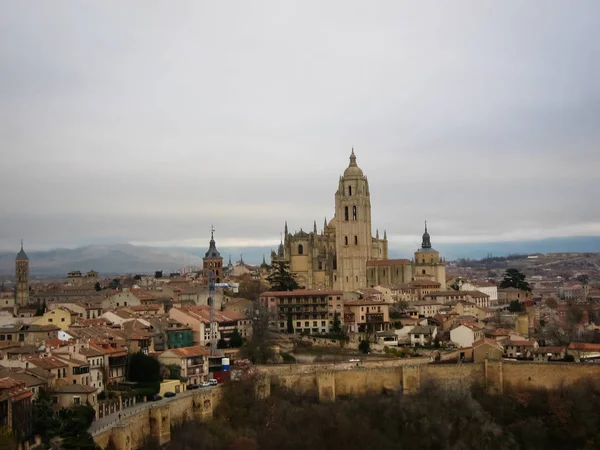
[(423, 272), (346, 213), (354, 213), (346, 240), (300, 249), (320, 265), (350, 190), (355, 240)]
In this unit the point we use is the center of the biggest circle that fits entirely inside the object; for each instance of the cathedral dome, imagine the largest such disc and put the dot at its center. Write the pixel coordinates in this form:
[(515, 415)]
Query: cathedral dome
[(353, 171)]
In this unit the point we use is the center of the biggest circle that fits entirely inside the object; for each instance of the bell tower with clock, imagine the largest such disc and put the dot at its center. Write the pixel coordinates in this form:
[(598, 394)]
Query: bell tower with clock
[(22, 278)]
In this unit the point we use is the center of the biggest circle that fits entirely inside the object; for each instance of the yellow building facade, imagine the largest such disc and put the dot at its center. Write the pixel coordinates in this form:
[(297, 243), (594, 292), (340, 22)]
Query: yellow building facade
[(345, 255)]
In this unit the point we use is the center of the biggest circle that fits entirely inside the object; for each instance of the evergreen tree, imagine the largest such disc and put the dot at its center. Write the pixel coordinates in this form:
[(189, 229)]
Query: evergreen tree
[(97, 286), (337, 324), (235, 340), (143, 368), (280, 278), (515, 306), (515, 279), (364, 346)]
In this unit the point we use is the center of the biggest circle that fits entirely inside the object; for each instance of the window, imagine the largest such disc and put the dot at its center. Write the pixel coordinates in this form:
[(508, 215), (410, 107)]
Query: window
[(320, 265), (345, 240), (298, 324), (350, 190), (21, 337), (354, 213), (355, 240), (300, 249), (346, 213), (77, 400), (62, 319), (423, 271), (50, 320), (323, 323)]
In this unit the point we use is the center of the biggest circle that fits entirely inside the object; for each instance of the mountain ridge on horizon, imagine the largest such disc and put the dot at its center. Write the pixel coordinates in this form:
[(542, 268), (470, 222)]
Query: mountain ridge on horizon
[(129, 258)]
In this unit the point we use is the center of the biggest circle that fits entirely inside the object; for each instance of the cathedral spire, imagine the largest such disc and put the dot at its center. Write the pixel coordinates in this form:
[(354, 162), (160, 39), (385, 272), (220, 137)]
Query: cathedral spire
[(384, 235), (286, 228), (315, 227), (212, 246), (377, 234), (352, 159), (426, 238), (22, 256), (230, 260)]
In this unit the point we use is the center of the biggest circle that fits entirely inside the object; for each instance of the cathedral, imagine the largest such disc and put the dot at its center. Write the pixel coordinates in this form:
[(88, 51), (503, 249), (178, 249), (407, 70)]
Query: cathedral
[(344, 255)]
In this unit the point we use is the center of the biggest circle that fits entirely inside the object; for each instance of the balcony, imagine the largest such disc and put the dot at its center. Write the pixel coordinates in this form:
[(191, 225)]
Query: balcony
[(375, 318)]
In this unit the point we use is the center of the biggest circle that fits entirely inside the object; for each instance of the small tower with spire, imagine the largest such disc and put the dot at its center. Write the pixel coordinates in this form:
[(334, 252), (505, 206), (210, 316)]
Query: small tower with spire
[(22, 278), (427, 262), (213, 261)]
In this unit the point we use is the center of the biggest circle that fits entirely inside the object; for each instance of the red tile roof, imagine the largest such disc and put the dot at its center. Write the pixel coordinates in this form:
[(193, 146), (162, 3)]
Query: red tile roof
[(190, 352), (49, 362), (584, 346)]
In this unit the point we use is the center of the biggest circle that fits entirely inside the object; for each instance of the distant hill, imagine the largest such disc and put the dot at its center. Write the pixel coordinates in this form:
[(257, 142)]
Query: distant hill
[(105, 259), (127, 258)]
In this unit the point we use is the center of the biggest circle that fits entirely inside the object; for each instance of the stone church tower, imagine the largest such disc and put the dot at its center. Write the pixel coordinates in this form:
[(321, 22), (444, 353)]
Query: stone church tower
[(213, 261), (354, 242), (22, 278), (427, 262)]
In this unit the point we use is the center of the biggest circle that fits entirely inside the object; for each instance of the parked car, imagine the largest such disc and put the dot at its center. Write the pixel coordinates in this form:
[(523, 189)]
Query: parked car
[(156, 398), (169, 394), (205, 384), (213, 382), (191, 387)]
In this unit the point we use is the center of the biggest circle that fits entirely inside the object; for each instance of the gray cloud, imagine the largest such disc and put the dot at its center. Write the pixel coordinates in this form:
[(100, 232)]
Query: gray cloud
[(147, 122)]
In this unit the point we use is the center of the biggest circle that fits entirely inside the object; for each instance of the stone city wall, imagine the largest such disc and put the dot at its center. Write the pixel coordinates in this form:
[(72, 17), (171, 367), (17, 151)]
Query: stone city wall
[(330, 381)]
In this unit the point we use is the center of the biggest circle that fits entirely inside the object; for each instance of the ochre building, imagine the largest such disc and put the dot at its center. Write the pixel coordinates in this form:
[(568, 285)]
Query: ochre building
[(345, 255)]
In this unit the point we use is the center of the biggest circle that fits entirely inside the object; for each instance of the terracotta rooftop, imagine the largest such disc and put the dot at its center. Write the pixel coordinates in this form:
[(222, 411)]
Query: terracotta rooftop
[(189, 352), (487, 341), (90, 352), (109, 348), (203, 313), (584, 346), (544, 350), (48, 363), (524, 343)]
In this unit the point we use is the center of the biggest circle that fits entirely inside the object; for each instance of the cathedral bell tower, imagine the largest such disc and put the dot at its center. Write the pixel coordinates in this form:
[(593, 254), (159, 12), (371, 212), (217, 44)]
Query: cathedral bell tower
[(354, 241), (22, 278)]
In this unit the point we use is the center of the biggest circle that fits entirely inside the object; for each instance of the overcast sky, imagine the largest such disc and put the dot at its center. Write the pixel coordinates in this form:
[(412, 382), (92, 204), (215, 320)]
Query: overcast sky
[(147, 121)]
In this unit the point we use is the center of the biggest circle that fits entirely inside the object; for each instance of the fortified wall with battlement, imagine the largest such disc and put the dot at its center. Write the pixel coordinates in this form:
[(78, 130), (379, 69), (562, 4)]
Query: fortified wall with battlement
[(330, 381), (155, 422)]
